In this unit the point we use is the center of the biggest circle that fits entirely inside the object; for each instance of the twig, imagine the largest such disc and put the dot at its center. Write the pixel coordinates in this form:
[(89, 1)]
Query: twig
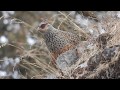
[(64, 20), (74, 24)]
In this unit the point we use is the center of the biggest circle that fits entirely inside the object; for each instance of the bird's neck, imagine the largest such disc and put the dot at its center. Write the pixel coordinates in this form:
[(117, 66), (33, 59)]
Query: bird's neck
[(50, 29)]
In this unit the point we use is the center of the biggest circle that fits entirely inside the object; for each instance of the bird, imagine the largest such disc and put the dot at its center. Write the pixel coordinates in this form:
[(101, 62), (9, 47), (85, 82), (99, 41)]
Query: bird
[(57, 41)]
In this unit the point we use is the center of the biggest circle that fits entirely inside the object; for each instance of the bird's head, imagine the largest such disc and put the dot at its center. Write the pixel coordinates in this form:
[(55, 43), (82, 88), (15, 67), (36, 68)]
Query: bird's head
[(44, 26)]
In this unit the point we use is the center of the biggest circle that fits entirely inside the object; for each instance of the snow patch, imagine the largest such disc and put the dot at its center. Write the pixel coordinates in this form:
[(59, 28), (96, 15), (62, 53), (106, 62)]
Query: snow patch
[(3, 39), (31, 41), (82, 21), (3, 73), (83, 65)]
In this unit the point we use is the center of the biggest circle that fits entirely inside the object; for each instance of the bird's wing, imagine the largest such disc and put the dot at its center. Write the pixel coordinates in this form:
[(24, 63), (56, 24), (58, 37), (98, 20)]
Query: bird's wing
[(70, 36)]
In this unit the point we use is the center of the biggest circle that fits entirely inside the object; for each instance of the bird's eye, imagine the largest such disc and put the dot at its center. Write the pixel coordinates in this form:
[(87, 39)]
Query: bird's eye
[(43, 26)]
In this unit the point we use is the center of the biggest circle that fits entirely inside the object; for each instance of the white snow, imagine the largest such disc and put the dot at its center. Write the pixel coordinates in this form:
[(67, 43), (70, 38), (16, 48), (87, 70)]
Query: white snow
[(82, 21), (100, 28), (15, 75), (3, 73), (3, 39), (91, 31), (31, 41), (83, 65), (14, 27), (17, 60), (11, 12), (118, 14), (6, 13), (9, 62), (5, 21)]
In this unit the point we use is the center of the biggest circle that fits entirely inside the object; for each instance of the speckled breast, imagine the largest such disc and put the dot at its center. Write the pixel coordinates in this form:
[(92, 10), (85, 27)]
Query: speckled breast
[(54, 41)]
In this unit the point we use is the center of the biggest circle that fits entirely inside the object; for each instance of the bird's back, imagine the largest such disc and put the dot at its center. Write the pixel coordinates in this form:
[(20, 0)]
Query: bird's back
[(59, 41)]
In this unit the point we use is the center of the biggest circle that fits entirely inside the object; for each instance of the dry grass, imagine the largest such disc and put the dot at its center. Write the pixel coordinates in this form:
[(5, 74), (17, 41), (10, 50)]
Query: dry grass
[(104, 70), (35, 63), (45, 68)]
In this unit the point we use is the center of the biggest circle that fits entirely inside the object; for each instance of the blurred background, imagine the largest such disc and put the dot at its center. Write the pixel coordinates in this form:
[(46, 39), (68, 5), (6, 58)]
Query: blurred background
[(19, 39)]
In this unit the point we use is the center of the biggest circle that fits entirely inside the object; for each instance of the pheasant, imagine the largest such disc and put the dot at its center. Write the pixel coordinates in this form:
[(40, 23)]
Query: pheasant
[(57, 41)]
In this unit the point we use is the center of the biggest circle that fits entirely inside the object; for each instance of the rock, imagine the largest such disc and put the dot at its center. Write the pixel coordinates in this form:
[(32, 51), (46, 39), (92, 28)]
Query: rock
[(67, 59)]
